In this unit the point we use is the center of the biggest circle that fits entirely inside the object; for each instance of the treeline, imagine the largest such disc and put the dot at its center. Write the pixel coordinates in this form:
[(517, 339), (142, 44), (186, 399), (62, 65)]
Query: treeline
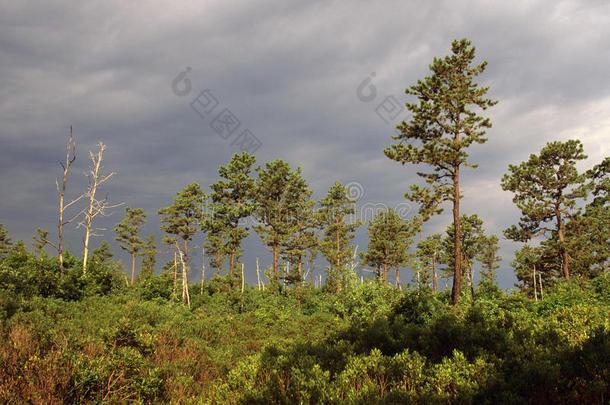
[(275, 197), (548, 189)]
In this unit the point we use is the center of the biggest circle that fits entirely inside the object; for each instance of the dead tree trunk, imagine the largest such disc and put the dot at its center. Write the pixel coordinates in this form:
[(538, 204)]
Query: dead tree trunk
[(186, 301), (534, 277), (243, 280), (258, 275), (311, 271), (70, 158), (95, 207), (175, 273), (202, 268), (185, 285)]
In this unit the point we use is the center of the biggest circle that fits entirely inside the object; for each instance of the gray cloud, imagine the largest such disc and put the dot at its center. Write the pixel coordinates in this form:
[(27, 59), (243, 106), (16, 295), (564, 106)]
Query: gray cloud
[(289, 72)]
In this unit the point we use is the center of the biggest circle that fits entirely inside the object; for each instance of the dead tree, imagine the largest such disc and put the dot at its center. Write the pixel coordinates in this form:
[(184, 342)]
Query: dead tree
[(202, 266), (534, 277), (95, 207), (186, 300), (70, 158), (258, 275)]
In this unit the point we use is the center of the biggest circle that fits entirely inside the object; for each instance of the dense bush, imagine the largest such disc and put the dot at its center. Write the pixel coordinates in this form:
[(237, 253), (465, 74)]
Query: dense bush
[(95, 339)]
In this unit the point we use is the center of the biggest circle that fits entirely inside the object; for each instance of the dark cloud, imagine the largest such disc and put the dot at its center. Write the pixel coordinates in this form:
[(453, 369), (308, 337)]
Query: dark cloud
[(289, 72)]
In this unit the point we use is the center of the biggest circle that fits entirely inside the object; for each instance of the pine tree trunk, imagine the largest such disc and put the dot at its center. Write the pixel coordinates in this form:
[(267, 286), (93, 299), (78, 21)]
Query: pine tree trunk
[(338, 287), (275, 260), (385, 272), (471, 276), (133, 266), (457, 272), (202, 268), (562, 250), (434, 276), (299, 269), (231, 264), (398, 279)]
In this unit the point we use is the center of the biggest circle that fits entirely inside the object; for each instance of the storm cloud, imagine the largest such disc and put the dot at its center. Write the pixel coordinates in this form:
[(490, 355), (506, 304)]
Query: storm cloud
[(289, 72)]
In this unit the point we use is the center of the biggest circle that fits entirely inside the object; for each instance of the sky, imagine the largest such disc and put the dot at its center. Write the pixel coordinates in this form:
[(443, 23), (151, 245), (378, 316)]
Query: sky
[(319, 84)]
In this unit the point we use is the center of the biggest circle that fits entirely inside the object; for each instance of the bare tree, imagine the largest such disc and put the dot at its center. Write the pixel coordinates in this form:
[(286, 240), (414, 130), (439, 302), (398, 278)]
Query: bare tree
[(70, 158), (202, 267), (95, 207), (186, 299)]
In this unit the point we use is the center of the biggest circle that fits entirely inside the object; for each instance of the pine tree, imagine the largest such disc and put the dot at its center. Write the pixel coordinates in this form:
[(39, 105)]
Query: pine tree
[(389, 241), (445, 124), (489, 259), (5, 242), (428, 253), (273, 206), (231, 202), (588, 233), (471, 236), (103, 254), (530, 269), (599, 182), (183, 219), (377, 254), (127, 234), (546, 188), (302, 222), (338, 233), (149, 259), (216, 242), (40, 241), (311, 244)]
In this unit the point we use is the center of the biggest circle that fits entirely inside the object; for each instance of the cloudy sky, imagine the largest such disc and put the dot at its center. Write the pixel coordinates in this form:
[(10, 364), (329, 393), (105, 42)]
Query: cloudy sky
[(290, 73)]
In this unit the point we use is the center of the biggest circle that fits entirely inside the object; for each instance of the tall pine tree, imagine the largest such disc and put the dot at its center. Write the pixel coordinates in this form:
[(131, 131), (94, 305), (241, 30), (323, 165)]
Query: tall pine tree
[(445, 123), (273, 206)]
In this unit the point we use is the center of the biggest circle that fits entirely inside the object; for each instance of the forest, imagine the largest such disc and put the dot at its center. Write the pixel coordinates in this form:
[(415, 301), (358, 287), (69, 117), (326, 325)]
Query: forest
[(80, 327)]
